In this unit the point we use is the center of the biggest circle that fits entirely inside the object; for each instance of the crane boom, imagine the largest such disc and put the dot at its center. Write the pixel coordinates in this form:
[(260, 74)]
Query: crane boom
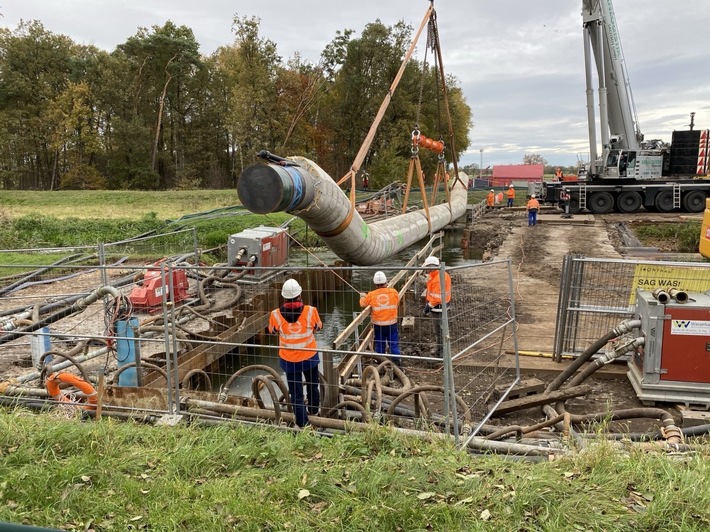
[(618, 121)]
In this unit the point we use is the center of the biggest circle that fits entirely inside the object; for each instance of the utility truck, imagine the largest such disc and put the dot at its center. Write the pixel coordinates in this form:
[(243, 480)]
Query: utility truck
[(629, 172)]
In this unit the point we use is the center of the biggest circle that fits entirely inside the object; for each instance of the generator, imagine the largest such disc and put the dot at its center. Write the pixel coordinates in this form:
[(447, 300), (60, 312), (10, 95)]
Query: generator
[(674, 363), (268, 244)]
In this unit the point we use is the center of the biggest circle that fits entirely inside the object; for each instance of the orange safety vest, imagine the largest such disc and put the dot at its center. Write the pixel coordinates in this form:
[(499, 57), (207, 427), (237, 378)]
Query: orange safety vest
[(433, 288), (533, 204), (384, 303), (511, 193), (490, 199), (296, 340)]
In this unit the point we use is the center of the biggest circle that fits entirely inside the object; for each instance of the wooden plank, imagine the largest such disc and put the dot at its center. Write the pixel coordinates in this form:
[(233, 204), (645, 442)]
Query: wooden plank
[(544, 365), (531, 401), (523, 388), (577, 219), (205, 354)]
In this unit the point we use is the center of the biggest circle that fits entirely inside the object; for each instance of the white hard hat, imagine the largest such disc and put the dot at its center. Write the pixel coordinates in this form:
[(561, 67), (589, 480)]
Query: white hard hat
[(532, 196), (379, 278), (291, 289), (492, 190), (511, 185), (431, 261)]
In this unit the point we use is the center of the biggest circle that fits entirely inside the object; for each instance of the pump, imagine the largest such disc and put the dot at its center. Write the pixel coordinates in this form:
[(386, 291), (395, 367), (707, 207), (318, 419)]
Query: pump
[(268, 244), (674, 363)]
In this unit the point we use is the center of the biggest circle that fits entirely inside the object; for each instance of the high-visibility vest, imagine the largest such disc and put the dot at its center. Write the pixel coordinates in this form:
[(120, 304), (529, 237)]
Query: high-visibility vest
[(433, 288), (384, 303), (533, 204), (490, 199), (511, 193), (296, 340)]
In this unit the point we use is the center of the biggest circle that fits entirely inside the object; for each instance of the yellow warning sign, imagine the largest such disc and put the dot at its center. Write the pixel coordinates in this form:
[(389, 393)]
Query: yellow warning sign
[(686, 278)]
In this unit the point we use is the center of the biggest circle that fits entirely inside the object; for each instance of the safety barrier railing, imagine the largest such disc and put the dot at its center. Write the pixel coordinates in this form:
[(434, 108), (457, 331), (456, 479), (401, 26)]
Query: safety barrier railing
[(176, 339), (596, 294)]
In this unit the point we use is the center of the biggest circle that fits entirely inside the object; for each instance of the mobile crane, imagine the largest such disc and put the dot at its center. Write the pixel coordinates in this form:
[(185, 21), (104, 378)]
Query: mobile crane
[(629, 173)]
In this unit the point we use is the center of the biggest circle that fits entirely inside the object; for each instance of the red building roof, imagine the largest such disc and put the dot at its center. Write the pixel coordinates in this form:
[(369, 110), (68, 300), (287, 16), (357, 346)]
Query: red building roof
[(518, 171)]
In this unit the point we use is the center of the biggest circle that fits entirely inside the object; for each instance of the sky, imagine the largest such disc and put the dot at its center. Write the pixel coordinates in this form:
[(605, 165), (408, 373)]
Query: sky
[(520, 63)]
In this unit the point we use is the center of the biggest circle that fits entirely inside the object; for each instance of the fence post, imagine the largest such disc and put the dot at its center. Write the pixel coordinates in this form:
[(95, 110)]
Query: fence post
[(449, 387)]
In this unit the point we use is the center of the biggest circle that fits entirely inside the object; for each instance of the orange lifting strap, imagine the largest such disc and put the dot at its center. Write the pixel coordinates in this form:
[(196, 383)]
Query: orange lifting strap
[(419, 140)]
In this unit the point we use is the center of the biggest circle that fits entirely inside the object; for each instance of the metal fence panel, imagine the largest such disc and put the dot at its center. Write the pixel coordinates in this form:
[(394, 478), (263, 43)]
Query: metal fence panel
[(597, 294)]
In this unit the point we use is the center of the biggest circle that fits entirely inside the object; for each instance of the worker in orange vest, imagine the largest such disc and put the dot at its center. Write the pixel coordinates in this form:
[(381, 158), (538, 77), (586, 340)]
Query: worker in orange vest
[(298, 349), (491, 198), (511, 195), (435, 296), (532, 206), (558, 174), (384, 302)]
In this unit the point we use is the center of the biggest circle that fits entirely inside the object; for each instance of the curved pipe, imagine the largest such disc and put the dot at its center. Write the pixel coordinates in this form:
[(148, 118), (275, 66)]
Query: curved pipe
[(307, 191), (623, 328)]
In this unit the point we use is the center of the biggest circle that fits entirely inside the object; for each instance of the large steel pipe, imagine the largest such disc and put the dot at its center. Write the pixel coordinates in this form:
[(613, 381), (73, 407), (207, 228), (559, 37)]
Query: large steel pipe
[(308, 192)]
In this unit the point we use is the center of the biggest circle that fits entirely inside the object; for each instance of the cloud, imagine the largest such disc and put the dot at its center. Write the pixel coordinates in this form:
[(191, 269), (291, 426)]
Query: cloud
[(520, 63)]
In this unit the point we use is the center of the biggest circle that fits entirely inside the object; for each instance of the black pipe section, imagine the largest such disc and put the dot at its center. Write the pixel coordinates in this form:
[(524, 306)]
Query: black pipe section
[(270, 188)]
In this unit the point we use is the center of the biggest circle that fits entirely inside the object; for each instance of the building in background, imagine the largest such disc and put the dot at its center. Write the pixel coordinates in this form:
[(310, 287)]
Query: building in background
[(517, 174)]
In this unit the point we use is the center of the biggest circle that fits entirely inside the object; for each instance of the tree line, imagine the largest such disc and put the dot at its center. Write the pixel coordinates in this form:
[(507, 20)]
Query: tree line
[(155, 114)]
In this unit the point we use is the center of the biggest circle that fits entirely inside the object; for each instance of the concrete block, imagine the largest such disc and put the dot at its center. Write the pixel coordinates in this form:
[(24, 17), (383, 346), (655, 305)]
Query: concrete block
[(408, 323)]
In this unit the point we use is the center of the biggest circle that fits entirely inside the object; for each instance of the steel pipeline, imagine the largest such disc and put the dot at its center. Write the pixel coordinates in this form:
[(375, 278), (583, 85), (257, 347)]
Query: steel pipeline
[(302, 188)]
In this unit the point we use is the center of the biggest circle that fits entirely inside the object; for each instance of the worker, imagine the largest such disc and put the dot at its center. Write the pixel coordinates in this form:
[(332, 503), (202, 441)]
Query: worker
[(510, 193), (564, 203), (532, 206), (384, 302), (365, 181), (558, 174), (298, 349), (433, 295), (491, 198)]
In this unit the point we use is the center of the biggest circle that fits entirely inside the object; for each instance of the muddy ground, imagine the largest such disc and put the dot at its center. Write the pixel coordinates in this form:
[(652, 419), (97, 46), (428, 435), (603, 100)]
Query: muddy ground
[(536, 254)]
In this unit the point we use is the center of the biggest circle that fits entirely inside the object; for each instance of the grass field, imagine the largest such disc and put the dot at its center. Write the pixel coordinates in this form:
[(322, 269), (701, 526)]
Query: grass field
[(119, 204), (115, 476)]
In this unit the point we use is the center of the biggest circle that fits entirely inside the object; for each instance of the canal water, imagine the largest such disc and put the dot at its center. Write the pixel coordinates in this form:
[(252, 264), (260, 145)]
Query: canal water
[(337, 309)]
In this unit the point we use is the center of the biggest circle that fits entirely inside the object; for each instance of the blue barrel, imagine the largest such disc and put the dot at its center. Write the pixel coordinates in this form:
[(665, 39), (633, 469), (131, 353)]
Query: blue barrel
[(127, 350)]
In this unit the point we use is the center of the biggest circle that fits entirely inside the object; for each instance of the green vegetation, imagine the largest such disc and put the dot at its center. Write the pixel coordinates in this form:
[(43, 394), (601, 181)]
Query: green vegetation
[(681, 237), (75, 117), (110, 475)]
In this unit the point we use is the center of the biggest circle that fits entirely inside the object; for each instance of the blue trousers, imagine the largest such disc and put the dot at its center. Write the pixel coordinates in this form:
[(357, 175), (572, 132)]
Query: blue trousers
[(387, 334), (510, 202), (532, 217), (295, 390)]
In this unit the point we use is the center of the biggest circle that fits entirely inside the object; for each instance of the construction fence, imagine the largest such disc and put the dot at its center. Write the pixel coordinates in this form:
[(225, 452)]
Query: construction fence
[(172, 339), (597, 294)]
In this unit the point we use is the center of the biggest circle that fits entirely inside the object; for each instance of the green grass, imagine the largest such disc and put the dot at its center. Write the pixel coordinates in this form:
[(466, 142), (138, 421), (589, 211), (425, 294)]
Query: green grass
[(681, 237), (111, 475), (106, 204)]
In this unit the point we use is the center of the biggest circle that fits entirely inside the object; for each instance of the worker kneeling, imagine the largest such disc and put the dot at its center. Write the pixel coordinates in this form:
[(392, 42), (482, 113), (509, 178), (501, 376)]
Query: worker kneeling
[(384, 302), (298, 349)]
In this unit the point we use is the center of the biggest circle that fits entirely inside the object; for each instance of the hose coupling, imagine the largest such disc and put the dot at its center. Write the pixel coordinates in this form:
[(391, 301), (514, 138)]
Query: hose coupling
[(627, 326), (672, 434), (631, 345), (222, 397)]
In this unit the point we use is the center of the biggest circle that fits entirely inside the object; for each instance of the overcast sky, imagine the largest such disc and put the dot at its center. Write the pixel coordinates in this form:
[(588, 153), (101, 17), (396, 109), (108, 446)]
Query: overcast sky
[(519, 62)]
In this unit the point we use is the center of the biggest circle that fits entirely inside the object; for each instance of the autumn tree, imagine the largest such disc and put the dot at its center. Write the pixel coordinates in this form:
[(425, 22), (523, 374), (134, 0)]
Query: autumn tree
[(534, 158)]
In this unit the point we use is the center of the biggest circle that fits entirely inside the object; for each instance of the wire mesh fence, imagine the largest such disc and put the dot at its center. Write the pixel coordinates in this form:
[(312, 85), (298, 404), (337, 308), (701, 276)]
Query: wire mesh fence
[(177, 338), (597, 294)]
